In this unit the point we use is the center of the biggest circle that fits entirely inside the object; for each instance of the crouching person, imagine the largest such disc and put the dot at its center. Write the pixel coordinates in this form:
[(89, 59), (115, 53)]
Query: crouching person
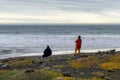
[(47, 52)]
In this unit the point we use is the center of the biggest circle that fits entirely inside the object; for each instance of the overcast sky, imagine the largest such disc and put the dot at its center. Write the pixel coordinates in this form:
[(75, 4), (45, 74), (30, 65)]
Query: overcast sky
[(59, 11)]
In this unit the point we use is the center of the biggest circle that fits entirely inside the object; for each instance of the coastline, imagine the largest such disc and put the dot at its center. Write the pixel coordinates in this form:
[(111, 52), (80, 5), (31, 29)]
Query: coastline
[(86, 66), (83, 52)]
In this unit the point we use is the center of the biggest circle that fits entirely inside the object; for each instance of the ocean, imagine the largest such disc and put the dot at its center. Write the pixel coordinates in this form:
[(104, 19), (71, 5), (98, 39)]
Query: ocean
[(29, 40)]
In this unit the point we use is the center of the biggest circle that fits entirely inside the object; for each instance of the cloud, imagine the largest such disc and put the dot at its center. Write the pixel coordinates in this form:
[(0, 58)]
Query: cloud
[(60, 10), (67, 5)]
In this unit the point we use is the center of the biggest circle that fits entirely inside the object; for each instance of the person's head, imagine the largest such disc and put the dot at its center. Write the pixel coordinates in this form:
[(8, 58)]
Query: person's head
[(48, 47), (79, 37)]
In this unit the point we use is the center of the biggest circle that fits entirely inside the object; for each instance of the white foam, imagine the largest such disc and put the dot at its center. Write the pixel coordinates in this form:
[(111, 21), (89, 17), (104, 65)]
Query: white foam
[(60, 42), (33, 45), (83, 51), (54, 53)]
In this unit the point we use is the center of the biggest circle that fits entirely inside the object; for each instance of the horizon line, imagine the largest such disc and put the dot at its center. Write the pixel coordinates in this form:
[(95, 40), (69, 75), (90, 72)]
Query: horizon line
[(59, 23)]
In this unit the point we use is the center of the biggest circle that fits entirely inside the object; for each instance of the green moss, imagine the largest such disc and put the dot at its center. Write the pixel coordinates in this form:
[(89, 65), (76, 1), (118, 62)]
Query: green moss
[(71, 78), (8, 74), (36, 75), (85, 63), (97, 73), (59, 66), (112, 64), (21, 75), (21, 63), (3, 71), (53, 74)]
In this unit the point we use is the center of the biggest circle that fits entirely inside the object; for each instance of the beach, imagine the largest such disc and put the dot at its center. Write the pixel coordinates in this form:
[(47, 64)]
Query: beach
[(13, 55), (86, 66)]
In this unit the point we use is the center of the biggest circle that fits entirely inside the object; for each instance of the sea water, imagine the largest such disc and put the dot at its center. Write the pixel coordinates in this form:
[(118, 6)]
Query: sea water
[(26, 40)]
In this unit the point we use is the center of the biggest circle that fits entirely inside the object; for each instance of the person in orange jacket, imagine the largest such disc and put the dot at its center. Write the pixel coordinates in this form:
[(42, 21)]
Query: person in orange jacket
[(78, 45)]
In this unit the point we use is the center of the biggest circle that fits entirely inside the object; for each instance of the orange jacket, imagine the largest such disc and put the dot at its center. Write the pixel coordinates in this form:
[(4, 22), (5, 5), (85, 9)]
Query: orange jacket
[(78, 43)]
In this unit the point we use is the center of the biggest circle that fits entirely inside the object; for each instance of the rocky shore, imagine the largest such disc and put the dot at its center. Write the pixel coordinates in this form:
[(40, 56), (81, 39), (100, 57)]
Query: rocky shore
[(103, 65)]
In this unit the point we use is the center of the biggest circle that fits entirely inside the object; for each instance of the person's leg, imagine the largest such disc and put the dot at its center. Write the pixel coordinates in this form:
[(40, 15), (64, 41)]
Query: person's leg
[(75, 51), (78, 51)]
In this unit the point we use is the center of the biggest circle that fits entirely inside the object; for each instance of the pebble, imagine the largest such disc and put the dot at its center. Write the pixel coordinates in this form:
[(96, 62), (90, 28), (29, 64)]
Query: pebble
[(29, 70), (48, 68), (59, 78)]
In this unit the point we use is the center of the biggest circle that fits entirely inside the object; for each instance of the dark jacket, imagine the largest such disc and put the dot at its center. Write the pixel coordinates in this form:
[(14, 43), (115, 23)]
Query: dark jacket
[(47, 52)]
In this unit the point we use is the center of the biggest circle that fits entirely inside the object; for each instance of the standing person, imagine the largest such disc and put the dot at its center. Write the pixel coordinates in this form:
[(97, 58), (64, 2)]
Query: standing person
[(78, 45)]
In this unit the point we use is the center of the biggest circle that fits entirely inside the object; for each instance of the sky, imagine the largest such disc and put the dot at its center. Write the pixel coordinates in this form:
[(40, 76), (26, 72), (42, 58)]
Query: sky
[(59, 11)]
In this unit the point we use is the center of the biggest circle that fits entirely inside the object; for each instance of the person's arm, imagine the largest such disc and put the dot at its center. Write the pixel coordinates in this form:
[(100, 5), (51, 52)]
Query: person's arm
[(76, 41)]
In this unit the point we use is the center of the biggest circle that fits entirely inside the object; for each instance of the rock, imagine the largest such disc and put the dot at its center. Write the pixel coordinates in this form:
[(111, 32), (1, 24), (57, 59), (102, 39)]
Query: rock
[(1, 63), (59, 78), (82, 73), (43, 65), (36, 61), (108, 78), (103, 55), (5, 60), (22, 59), (85, 54), (111, 71), (41, 62), (48, 68), (111, 52), (63, 58), (80, 59), (4, 66), (58, 70), (66, 74), (29, 70), (102, 76), (99, 53)]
